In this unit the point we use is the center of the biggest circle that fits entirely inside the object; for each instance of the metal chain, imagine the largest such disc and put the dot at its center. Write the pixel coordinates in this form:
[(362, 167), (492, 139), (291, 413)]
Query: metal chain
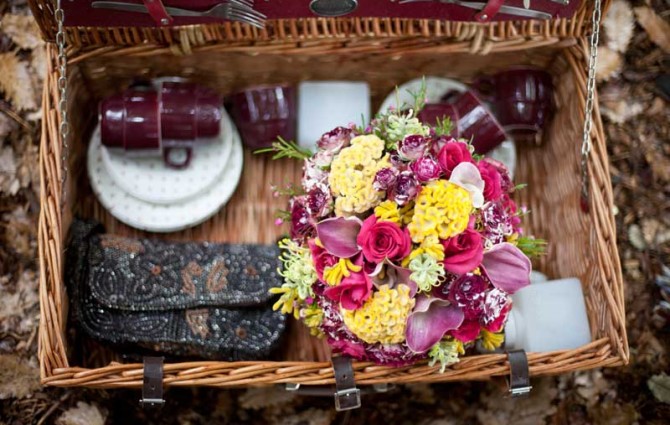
[(64, 128), (590, 100)]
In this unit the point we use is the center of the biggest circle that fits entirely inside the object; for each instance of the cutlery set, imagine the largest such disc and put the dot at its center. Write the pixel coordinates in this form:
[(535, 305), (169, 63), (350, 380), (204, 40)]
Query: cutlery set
[(243, 10), (232, 10)]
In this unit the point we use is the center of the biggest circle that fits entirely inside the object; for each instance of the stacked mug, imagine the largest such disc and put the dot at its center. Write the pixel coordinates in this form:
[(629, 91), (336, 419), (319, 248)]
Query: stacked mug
[(165, 120)]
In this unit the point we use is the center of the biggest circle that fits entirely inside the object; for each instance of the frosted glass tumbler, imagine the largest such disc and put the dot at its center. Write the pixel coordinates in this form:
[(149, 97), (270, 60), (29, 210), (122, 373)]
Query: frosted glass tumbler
[(324, 105), (548, 316)]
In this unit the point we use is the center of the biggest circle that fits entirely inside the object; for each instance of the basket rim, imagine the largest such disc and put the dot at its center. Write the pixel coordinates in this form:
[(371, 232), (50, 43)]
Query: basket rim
[(54, 365), (304, 29)]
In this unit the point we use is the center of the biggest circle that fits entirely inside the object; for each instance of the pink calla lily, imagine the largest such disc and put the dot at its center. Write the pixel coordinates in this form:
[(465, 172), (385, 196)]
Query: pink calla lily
[(507, 267), (338, 235), (430, 320)]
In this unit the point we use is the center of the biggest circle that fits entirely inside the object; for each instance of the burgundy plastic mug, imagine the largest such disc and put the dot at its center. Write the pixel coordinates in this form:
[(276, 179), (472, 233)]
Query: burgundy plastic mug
[(434, 112), (476, 122), (131, 120), (264, 113), (171, 120), (189, 112), (521, 98)]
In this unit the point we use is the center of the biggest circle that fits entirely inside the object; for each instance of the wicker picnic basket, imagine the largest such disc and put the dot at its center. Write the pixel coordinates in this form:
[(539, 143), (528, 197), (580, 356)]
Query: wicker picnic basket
[(384, 52)]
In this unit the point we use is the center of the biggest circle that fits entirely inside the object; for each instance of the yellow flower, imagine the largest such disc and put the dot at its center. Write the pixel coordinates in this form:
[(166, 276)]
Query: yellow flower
[(388, 211), (334, 274), (287, 300), (406, 212), (312, 316), (430, 245), (352, 174), (490, 340), (383, 317), (442, 210)]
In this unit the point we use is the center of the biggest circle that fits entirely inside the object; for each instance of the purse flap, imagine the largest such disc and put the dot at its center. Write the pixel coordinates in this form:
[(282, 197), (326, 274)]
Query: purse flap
[(149, 275)]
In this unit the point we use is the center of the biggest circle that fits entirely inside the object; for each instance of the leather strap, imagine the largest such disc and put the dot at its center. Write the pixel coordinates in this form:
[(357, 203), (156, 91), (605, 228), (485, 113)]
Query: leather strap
[(152, 390), (519, 373), (489, 11), (327, 390), (347, 396), (158, 13)]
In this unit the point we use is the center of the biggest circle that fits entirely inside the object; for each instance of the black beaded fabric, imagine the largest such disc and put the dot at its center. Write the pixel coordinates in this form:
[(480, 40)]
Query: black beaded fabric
[(183, 299)]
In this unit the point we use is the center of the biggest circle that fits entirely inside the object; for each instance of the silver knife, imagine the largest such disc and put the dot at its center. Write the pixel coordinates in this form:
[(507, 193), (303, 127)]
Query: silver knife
[(509, 10)]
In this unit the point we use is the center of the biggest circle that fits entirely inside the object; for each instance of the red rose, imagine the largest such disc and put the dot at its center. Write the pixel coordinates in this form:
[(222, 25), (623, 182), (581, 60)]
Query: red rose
[(467, 332), (452, 154), (463, 253), (492, 180), (383, 239), (352, 292)]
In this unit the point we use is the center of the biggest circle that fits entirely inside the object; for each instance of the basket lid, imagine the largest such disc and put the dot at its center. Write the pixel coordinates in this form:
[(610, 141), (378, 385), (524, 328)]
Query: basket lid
[(89, 26)]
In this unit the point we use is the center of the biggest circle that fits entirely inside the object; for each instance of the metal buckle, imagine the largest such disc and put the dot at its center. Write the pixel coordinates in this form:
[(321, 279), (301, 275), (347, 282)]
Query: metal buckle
[(347, 399), (520, 392)]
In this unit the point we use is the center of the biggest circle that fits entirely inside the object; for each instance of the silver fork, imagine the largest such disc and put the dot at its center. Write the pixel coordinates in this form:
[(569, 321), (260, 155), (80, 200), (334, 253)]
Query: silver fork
[(479, 5), (234, 10)]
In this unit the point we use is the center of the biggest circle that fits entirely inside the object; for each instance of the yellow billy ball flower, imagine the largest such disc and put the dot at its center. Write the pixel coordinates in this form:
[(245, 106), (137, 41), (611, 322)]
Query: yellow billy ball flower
[(352, 174), (442, 209), (388, 211), (383, 317)]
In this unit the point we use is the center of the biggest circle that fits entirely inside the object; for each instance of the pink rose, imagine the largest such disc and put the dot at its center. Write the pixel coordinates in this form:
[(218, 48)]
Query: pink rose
[(383, 239), (426, 169), (463, 253), (492, 180), (452, 154), (352, 292)]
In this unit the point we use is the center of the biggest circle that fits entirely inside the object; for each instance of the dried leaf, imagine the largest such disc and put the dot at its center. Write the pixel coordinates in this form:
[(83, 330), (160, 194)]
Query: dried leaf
[(656, 27), (9, 182), (83, 414), (659, 385), (609, 64), (6, 126), (18, 378), (619, 26), (527, 411), (22, 29), (16, 83), (16, 308), (636, 238)]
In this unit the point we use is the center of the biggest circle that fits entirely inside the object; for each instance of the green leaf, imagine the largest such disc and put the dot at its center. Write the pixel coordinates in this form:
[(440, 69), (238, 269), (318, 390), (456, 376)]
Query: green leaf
[(286, 149)]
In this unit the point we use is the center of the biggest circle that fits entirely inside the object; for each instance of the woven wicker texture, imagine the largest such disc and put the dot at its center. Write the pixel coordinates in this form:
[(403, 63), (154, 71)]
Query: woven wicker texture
[(581, 245), (332, 31)]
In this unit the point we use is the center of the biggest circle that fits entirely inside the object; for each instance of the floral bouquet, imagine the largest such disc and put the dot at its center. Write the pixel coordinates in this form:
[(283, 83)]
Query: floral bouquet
[(404, 244)]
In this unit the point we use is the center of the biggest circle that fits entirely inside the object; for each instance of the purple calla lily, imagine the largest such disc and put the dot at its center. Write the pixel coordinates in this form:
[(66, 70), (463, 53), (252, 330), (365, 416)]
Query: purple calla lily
[(430, 320), (507, 267), (338, 235)]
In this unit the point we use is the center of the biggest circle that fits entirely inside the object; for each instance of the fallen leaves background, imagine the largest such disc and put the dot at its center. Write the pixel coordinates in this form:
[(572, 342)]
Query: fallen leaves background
[(634, 95)]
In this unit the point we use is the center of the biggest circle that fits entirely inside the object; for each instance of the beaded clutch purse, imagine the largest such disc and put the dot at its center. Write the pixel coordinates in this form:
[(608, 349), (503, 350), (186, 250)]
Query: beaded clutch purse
[(186, 299)]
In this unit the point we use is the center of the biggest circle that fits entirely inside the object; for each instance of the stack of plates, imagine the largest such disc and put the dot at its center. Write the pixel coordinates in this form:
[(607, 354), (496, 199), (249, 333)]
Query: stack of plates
[(146, 194)]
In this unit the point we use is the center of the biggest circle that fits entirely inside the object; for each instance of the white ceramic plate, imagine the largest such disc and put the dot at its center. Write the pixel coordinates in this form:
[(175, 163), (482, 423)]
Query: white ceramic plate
[(149, 179), (163, 217), (436, 88)]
